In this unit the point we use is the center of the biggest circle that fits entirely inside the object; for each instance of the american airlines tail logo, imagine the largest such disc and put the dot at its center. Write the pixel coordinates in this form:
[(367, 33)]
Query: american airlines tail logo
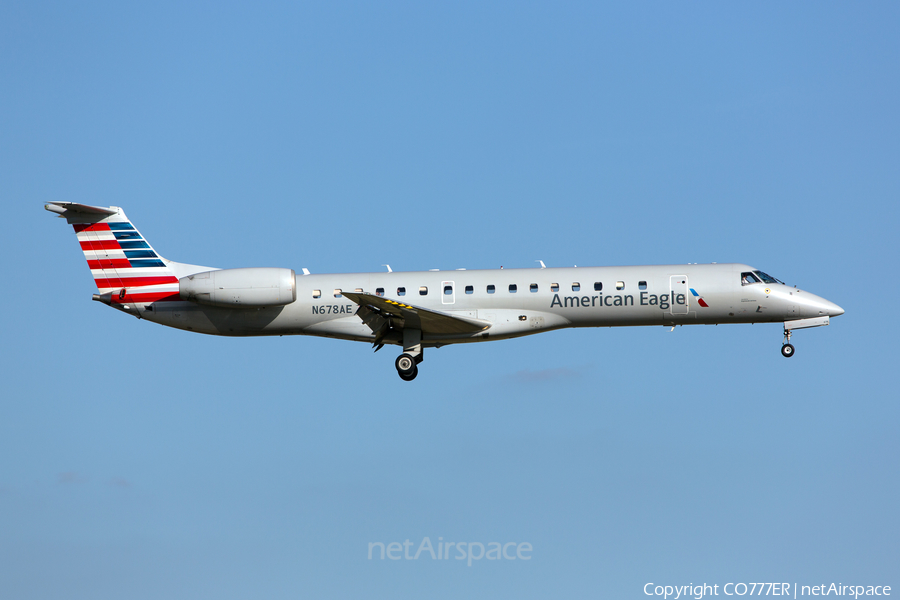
[(123, 263), (699, 298)]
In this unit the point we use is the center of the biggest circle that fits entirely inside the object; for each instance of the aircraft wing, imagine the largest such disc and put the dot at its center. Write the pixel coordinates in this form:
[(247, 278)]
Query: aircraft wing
[(381, 313)]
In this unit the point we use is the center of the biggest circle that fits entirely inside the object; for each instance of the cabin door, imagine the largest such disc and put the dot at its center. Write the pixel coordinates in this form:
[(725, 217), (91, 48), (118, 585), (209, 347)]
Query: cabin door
[(678, 285)]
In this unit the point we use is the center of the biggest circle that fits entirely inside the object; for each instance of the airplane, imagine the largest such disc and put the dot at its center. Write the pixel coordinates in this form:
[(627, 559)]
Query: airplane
[(424, 309)]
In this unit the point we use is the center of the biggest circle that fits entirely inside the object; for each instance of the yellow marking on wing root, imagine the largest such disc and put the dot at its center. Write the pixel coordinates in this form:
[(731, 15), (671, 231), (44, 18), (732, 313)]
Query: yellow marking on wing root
[(398, 304)]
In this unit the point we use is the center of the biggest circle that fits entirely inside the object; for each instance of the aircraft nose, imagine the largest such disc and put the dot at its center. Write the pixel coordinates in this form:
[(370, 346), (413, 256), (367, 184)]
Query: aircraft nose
[(812, 306), (834, 310), (816, 306)]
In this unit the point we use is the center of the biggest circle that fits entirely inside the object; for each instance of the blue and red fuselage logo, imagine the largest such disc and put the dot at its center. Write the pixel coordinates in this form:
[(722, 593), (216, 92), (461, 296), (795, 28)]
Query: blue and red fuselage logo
[(699, 298)]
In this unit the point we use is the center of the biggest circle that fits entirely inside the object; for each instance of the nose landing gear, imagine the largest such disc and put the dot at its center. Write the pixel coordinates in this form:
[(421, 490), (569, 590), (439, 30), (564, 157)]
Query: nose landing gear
[(787, 349)]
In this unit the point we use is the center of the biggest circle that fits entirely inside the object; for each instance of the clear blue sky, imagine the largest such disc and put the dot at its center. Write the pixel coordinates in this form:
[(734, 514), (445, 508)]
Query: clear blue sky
[(142, 462)]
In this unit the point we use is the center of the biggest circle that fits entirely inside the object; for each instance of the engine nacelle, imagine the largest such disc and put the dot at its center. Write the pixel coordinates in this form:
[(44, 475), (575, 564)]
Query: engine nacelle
[(240, 288)]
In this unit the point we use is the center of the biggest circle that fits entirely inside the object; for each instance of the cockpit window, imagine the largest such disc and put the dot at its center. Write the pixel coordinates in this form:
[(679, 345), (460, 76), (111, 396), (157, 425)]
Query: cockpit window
[(748, 278), (767, 278)]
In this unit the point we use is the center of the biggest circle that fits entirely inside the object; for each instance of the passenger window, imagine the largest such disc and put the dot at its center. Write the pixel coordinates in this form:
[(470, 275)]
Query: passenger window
[(358, 290), (401, 291), (337, 293), (598, 286), (490, 289), (423, 291), (554, 287), (620, 285), (642, 285), (576, 287), (448, 290), (379, 292), (317, 293), (512, 288), (533, 287)]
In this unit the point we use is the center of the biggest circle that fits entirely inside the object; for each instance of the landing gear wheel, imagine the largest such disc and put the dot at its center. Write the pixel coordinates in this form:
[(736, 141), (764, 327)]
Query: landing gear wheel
[(410, 376), (406, 367), (787, 350)]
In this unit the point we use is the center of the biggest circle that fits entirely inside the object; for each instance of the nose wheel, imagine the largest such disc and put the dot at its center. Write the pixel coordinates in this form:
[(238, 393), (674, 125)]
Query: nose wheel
[(787, 349), (406, 367)]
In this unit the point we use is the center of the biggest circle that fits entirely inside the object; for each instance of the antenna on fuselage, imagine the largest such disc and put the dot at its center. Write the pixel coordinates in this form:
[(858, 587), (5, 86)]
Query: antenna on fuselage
[(389, 268), (305, 271), (543, 266)]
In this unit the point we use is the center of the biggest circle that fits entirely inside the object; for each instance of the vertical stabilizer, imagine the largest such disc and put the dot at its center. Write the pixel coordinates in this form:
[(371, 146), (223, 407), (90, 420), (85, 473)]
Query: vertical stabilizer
[(124, 266)]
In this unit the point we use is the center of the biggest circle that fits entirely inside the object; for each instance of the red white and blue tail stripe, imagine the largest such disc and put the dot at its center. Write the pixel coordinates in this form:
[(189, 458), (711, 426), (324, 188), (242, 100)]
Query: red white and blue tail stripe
[(122, 262)]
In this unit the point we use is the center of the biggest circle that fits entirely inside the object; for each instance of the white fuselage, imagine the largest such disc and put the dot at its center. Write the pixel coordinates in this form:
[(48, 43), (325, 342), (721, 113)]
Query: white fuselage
[(515, 302), (423, 309)]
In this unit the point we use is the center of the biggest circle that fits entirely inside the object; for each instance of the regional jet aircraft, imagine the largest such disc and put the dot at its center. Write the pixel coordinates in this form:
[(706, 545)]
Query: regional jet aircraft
[(424, 309)]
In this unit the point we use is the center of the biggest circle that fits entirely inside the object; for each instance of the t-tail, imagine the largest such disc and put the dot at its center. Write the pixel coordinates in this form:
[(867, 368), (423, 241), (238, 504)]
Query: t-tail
[(124, 266)]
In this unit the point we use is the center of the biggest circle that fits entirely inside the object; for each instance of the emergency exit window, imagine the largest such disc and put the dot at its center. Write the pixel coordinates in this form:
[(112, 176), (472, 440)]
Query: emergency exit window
[(470, 289), (423, 291)]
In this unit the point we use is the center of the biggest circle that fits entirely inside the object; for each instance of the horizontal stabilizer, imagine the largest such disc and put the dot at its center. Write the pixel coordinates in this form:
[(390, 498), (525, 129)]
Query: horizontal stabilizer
[(416, 317), (80, 213)]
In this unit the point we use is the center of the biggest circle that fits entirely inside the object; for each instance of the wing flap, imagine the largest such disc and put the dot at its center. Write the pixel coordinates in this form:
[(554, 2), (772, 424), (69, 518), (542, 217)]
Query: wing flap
[(415, 317)]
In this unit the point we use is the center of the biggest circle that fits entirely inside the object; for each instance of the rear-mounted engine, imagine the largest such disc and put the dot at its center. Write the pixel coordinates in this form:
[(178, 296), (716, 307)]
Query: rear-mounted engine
[(240, 288)]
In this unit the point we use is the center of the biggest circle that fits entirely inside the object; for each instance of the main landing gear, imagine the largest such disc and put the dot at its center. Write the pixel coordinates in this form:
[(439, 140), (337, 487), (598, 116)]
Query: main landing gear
[(406, 367), (787, 349), (407, 363)]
